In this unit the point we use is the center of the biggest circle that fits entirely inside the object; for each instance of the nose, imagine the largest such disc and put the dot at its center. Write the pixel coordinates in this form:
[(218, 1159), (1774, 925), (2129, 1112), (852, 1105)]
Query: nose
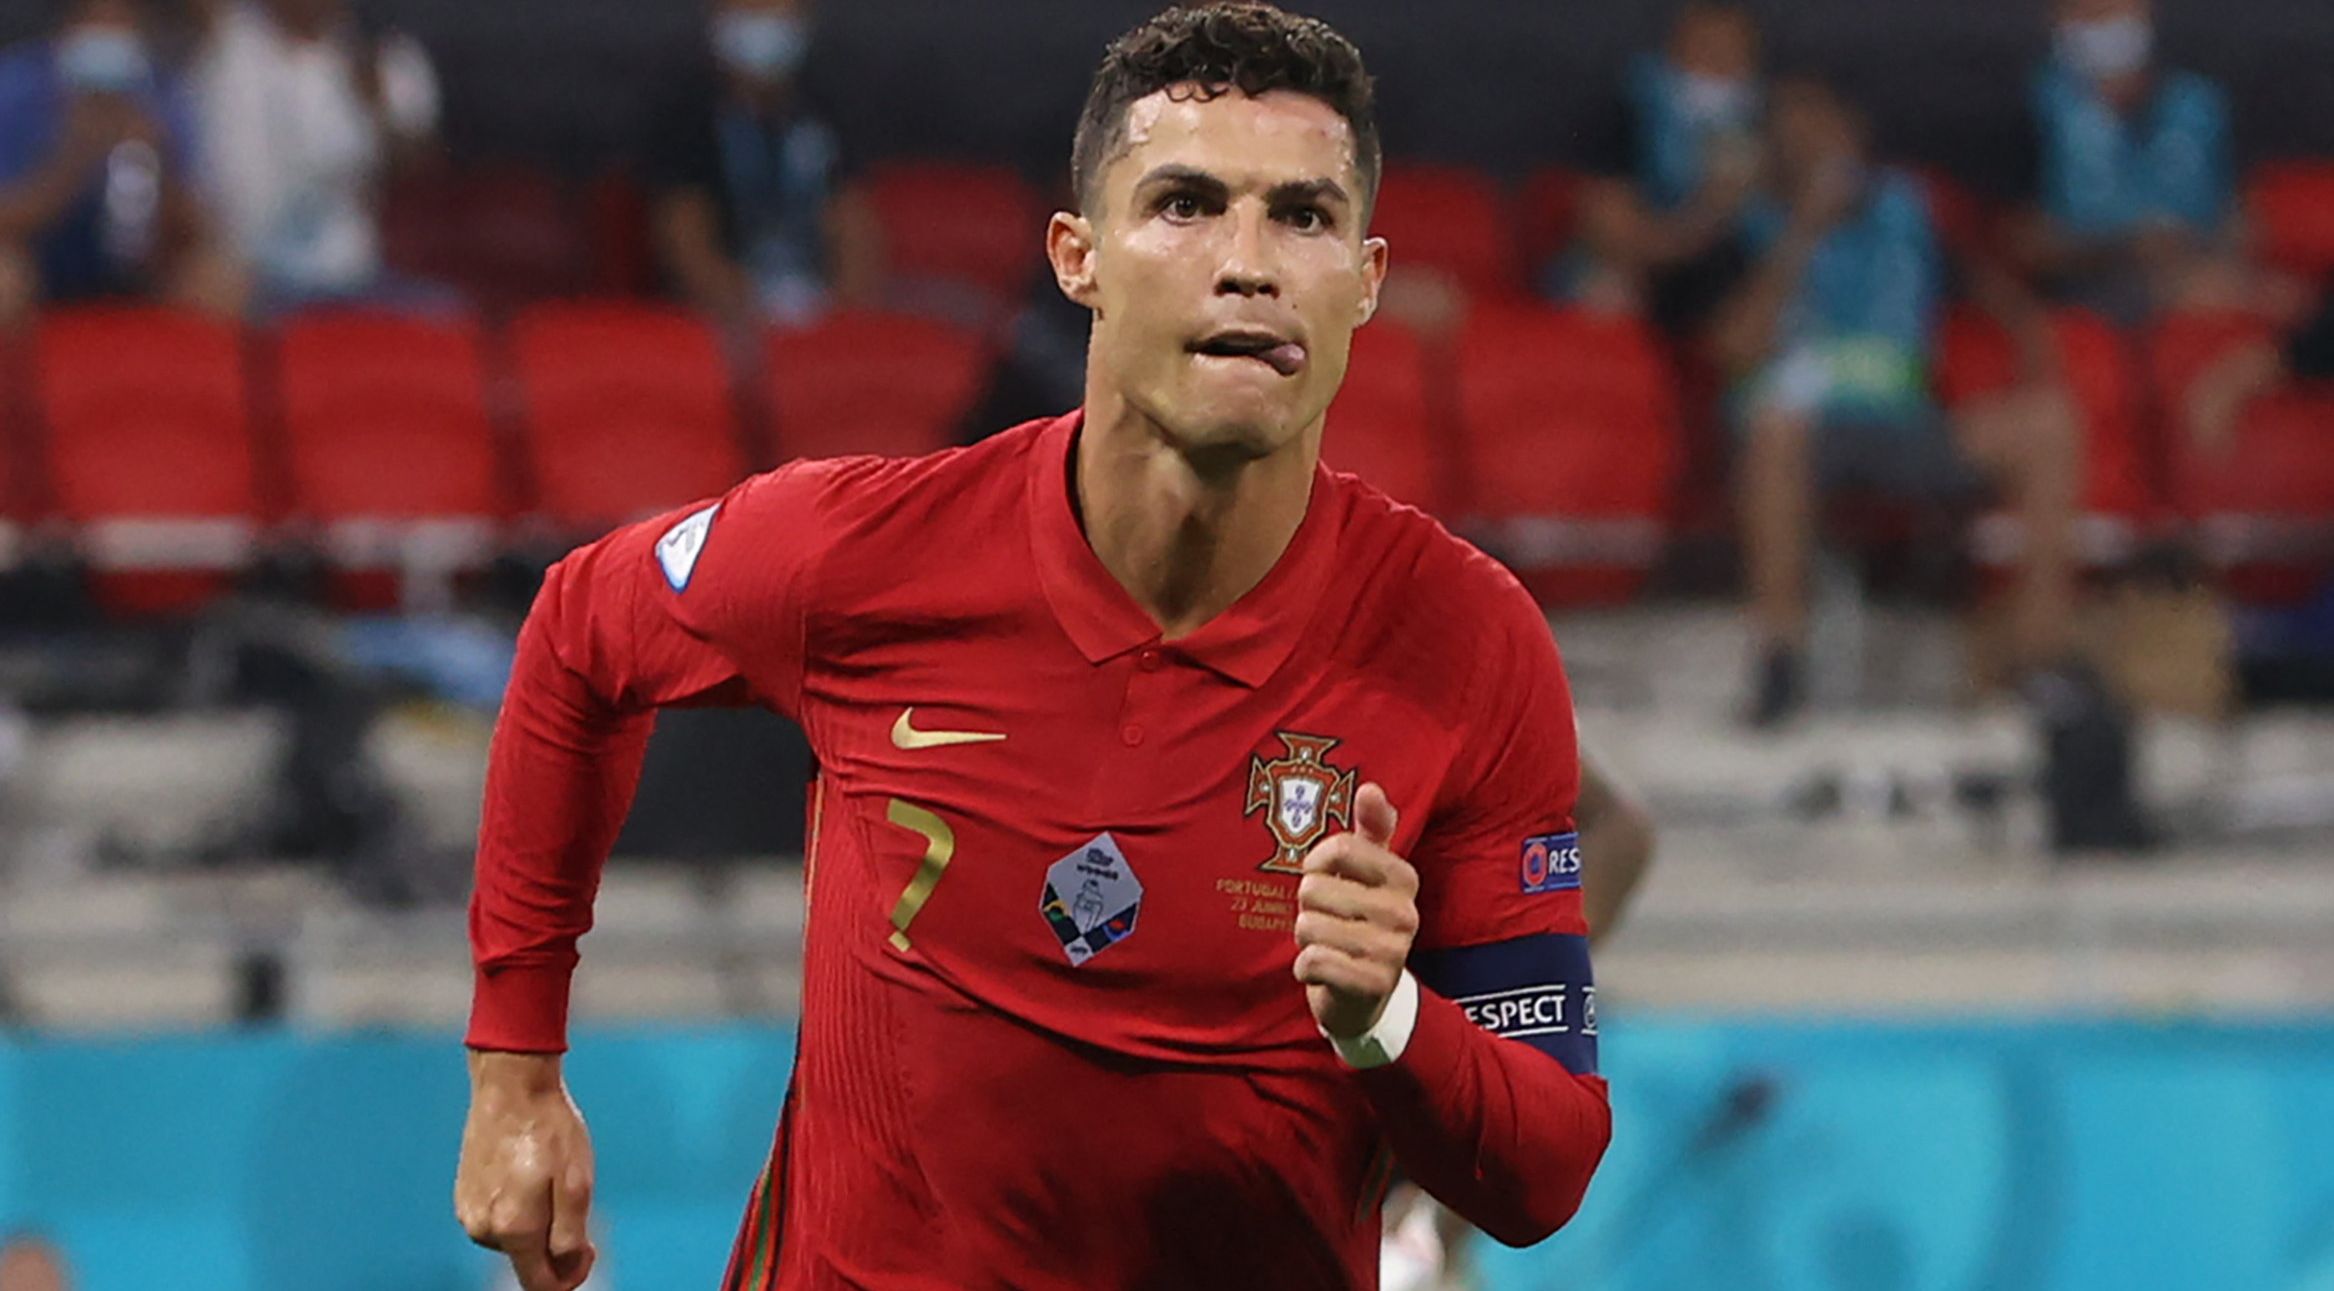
[(1248, 268)]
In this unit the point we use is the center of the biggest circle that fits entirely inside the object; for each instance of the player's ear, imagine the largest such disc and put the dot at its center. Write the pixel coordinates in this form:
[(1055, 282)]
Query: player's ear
[(1069, 248), (1374, 260)]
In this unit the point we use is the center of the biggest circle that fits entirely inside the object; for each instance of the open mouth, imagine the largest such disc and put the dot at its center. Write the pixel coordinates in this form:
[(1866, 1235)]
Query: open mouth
[(1283, 356)]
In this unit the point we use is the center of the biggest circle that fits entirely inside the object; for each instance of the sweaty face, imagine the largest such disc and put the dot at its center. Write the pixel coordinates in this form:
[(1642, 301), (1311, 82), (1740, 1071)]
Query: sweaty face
[(1226, 264)]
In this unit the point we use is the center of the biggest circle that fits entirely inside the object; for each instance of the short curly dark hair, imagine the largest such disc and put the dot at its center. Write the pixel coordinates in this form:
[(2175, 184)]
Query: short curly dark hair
[(1232, 45)]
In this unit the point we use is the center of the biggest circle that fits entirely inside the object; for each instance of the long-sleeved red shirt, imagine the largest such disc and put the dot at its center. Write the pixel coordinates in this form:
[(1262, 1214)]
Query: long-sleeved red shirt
[(1050, 1036)]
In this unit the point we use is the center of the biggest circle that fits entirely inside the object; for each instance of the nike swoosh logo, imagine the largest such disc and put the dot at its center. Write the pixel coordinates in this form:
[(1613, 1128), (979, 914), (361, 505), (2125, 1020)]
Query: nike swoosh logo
[(904, 735)]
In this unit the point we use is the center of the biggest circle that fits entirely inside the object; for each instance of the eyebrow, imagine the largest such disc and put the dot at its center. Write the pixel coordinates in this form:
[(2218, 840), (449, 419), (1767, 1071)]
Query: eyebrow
[(1281, 194), (1309, 190)]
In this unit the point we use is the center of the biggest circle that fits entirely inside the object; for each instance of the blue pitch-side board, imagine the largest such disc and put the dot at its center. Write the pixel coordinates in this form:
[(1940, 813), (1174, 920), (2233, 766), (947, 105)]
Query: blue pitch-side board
[(1988, 1156)]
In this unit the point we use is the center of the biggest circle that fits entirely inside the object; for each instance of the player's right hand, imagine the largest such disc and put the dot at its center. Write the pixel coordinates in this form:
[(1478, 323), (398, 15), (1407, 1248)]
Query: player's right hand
[(525, 1183)]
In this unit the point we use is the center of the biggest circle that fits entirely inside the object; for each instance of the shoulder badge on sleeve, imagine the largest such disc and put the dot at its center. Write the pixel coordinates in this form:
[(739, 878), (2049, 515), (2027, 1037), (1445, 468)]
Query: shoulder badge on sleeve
[(1551, 863), (678, 550)]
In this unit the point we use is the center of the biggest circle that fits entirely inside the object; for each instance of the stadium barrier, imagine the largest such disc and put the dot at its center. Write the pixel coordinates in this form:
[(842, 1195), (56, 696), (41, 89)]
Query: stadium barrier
[(1749, 1155)]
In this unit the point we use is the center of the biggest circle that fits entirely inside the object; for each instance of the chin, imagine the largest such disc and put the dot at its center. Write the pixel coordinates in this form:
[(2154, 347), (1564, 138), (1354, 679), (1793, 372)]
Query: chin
[(1230, 436), (1242, 423)]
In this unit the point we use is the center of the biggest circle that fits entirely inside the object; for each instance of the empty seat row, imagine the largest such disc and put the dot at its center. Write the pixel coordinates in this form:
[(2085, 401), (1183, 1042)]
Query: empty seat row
[(169, 444), (172, 444)]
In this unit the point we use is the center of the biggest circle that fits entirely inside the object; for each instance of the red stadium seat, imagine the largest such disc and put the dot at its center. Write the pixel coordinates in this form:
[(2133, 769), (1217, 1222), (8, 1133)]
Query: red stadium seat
[(625, 411), (150, 449), (1547, 214), (890, 384), (1383, 425), (1572, 446), (965, 228), (2282, 465), (1979, 358), (391, 448), (2264, 507), (1452, 220), (2181, 346), (2292, 205), (623, 252), (17, 496)]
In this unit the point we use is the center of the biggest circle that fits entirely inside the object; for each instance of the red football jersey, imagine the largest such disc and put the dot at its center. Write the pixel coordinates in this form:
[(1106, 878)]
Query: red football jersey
[(1049, 1032)]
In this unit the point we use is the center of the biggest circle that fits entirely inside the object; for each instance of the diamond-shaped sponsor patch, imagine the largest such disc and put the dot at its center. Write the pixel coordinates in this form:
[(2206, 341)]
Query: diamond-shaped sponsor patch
[(1091, 899)]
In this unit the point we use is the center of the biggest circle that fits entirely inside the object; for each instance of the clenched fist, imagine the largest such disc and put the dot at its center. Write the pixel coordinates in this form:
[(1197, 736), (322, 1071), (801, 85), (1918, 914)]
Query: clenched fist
[(525, 1183), (1357, 912)]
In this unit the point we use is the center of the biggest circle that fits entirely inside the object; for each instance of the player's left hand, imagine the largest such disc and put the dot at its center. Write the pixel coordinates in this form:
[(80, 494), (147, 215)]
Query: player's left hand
[(1357, 913)]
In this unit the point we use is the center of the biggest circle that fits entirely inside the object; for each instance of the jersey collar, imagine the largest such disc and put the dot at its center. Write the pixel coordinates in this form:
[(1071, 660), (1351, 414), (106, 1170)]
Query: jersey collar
[(1247, 642)]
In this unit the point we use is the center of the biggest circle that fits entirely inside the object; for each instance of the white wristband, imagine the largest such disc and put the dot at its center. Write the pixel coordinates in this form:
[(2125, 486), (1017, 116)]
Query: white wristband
[(1384, 1042)]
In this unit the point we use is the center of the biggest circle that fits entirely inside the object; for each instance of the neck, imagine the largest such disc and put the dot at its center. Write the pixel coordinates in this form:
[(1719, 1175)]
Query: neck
[(2125, 92), (1186, 536)]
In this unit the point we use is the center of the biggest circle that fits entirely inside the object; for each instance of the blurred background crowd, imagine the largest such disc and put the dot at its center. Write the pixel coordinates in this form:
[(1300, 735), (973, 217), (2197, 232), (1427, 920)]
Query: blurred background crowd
[(1917, 419)]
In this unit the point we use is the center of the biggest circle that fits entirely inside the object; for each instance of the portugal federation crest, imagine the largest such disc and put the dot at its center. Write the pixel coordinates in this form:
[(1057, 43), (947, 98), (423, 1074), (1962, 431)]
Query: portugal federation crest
[(1300, 796)]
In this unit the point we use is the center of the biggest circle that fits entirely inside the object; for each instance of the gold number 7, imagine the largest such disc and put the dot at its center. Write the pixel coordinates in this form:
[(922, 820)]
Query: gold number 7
[(939, 849)]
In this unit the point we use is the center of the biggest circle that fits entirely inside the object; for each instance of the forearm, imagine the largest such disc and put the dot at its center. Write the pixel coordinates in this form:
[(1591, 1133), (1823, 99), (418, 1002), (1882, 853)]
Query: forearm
[(1497, 1130), (858, 261), (1616, 846), (559, 781), (688, 240), (1746, 331), (1687, 232), (32, 203)]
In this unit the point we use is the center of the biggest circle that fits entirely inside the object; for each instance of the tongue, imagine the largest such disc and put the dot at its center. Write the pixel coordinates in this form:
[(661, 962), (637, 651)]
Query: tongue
[(1285, 357)]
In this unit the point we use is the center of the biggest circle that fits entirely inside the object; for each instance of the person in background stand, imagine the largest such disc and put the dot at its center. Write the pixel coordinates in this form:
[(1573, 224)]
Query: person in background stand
[(754, 216), (2135, 171), (1828, 344), (97, 197), (1659, 225), (301, 115)]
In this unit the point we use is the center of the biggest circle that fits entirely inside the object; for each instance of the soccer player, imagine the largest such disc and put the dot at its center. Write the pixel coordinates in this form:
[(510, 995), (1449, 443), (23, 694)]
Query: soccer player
[(1193, 840)]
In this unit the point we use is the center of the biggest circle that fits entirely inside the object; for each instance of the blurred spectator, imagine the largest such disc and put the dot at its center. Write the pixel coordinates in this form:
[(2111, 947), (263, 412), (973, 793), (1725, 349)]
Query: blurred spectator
[(30, 1263), (1659, 232), (1828, 345), (300, 114), (2135, 172), (96, 185), (754, 216)]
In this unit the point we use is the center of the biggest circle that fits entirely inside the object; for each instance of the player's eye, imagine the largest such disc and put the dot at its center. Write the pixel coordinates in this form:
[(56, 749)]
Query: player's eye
[(1307, 219), (1182, 206)]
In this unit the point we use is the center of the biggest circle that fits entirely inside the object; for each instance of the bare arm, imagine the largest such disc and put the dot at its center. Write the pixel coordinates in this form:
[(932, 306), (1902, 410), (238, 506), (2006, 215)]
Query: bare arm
[(1616, 843), (855, 238), (2222, 390), (1619, 224), (93, 125), (688, 240), (1744, 335)]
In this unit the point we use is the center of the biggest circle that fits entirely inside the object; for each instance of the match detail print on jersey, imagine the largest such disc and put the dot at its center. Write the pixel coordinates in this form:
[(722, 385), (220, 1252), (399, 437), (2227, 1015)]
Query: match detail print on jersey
[(1091, 899), (1301, 794), (904, 735)]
